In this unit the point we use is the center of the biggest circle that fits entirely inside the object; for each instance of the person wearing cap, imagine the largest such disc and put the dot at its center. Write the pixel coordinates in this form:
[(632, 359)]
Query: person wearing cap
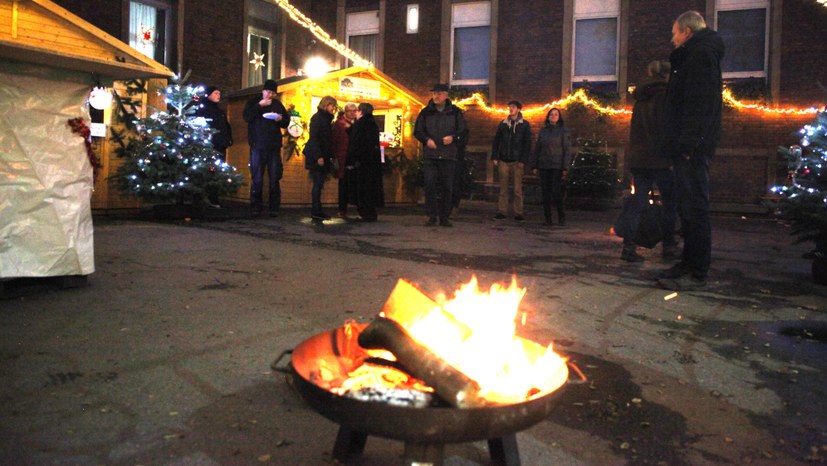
[(222, 138), (441, 129), (510, 152), (265, 117)]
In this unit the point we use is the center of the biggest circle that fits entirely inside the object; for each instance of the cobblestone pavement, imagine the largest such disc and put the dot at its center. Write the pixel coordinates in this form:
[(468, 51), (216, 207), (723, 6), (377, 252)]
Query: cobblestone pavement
[(164, 358)]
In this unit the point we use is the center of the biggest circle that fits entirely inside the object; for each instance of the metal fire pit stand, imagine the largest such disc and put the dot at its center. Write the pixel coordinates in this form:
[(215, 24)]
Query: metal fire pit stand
[(350, 445)]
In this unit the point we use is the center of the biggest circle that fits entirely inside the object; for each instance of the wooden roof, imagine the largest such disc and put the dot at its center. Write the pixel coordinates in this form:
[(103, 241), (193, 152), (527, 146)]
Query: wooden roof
[(39, 31), (355, 71)]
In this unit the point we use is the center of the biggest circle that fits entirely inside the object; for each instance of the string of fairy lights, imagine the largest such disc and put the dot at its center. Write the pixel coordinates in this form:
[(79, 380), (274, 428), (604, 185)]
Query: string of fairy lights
[(578, 96)]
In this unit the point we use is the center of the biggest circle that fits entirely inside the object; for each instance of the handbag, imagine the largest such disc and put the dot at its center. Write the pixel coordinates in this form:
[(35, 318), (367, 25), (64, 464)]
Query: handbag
[(650, 228)]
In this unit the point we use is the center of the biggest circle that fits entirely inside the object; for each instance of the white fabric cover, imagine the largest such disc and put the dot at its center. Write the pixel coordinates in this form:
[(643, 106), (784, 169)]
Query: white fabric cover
[(45, 179)]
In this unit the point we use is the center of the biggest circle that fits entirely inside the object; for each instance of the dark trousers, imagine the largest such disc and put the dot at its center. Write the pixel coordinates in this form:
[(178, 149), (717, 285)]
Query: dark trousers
[(269, 160), (644, 180), (318, 177), (439, 183), (551, 185), (343, 194), (692, 189)]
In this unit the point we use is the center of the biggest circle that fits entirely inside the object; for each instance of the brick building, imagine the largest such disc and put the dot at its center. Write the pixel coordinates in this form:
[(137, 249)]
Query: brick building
[(533, 51)]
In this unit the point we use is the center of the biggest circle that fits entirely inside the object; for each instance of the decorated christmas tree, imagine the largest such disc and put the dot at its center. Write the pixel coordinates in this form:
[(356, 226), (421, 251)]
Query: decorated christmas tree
[(171, 159), (803, 201)]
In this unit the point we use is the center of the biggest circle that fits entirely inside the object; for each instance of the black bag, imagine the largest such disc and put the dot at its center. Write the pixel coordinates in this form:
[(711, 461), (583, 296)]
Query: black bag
[(650, 228)]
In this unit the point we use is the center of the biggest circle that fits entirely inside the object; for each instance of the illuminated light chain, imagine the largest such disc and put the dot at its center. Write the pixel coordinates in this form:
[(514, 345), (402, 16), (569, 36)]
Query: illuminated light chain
[(299, 17), (578, 96), (730, 100)]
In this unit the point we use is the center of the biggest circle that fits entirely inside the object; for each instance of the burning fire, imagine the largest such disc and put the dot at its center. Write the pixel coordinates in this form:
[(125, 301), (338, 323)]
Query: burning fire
[(475, 333)]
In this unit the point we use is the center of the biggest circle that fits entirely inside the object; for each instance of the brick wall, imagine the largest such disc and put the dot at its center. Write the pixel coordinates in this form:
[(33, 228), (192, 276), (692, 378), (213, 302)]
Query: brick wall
[(413, 59), (214, 43), (804, 46)]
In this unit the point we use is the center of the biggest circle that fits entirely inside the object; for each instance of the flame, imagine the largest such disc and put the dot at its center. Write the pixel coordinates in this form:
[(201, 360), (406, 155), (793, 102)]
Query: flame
[(475, 332)]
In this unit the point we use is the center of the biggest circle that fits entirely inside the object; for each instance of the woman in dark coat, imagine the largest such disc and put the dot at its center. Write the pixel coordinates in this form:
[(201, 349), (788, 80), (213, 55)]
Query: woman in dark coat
[(364, 156), (318, 153), (222, 138), (552, 157)]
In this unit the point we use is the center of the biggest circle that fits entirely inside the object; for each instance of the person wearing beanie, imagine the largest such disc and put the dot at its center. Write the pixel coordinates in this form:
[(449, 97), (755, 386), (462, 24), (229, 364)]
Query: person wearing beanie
[(266, 117), (222, 138), (510, 152)]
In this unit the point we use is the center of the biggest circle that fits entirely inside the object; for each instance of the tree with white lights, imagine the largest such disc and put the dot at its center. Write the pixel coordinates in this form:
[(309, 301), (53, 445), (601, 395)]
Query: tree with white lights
[(172, 159)]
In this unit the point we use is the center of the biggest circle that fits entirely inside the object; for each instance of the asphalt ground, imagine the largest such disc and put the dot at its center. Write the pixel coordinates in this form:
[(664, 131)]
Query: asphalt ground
[(164, 356)]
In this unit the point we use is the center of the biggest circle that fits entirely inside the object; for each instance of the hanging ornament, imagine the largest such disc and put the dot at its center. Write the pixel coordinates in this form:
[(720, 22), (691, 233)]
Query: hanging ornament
[(258, 61), (295, 127), (147, 34)]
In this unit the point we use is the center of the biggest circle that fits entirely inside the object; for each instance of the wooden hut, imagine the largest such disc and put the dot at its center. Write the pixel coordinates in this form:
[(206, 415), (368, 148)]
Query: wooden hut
[(395, 109), (50, 60)]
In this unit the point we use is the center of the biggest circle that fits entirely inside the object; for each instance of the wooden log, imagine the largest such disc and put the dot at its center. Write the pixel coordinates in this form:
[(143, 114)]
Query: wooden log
[(448, 383)]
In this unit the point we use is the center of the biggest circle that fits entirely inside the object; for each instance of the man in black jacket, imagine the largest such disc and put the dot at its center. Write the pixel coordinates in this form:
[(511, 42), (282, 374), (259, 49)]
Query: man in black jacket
[(441, 129), (692, 128), (509, 154), (265, 119)]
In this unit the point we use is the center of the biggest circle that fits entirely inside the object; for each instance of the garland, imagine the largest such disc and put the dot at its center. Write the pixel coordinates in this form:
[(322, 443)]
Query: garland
[(79, 127)]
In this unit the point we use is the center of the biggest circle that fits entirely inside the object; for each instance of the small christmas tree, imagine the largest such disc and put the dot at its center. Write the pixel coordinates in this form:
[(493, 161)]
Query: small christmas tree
[(803, 200), (172, 160)]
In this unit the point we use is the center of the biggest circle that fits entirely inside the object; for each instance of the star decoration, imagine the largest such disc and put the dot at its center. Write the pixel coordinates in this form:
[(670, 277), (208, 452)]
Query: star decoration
[(258, 60), (146, 34)]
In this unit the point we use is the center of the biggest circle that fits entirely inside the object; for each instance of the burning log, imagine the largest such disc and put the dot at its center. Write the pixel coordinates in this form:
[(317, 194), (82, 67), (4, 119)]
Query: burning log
[(450, 384)]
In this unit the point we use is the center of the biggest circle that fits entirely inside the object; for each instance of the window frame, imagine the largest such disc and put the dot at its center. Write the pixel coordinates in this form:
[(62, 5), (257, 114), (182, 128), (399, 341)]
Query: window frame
[(167, 9), (591, 12), (468, 24), (253, 30), (363, 31), (739, 5)]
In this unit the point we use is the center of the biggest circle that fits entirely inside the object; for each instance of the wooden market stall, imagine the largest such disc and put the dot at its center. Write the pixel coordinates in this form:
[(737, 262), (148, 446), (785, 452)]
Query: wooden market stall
[(50, 60), (395, 110)]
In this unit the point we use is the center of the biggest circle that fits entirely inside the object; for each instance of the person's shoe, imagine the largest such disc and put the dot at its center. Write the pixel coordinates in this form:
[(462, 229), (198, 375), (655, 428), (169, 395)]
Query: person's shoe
[(431, 222), (255, 212), (549, 222), (562, 221), (273, 213), (671, 252), (519, 218), (629, 254), (687, 282), (445, 223), (499, 216), (341, 214), (676, 271), (320, 216), (213, 206)]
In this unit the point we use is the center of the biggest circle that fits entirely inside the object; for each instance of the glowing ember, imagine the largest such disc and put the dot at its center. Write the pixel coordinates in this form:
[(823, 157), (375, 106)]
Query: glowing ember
[(475, 333)]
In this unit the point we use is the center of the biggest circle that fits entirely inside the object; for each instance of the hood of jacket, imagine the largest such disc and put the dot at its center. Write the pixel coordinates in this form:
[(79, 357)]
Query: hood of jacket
[(706, 38), (509, 122), (647, 90)]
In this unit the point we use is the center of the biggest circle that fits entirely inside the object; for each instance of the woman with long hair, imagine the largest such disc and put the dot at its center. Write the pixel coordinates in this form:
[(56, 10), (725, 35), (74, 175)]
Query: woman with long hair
[(552, 158), (318, 152)]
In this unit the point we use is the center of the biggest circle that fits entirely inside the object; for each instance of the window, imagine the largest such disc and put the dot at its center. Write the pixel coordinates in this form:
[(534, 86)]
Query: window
[(412, 19), (261, 59), (470, 42), (595, 48), (743, 26), (148, 29), (362, 34)]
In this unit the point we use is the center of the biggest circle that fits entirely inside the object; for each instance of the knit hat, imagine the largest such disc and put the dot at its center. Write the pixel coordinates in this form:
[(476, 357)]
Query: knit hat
[(440, 88), (270, 85), (210, 90)]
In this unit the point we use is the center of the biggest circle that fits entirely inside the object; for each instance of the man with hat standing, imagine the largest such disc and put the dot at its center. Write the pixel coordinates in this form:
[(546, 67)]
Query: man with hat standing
[(265, 119), (441, 129), (509, 154)]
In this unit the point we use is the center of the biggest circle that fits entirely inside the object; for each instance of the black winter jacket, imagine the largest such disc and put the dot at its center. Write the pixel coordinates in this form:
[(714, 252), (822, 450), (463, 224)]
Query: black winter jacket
[(553, 149), (647, 127), (433, 124), (263, 133), (512, 143), (217, 120), (320, 142), (692, 113)]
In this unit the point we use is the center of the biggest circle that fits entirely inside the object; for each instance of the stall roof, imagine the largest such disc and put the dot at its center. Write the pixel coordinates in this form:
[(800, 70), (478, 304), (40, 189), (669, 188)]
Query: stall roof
[(288, 84), (39, 31)]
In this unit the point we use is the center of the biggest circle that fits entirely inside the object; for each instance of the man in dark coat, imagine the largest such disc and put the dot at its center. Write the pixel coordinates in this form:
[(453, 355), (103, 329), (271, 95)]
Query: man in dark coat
[(510, 151), (692, 127), (222, 138), (265, 118), (441, 129), (647, 165)]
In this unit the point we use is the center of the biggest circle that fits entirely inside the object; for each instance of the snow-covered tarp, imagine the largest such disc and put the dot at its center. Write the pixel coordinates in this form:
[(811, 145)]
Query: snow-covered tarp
[(45, 178)]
